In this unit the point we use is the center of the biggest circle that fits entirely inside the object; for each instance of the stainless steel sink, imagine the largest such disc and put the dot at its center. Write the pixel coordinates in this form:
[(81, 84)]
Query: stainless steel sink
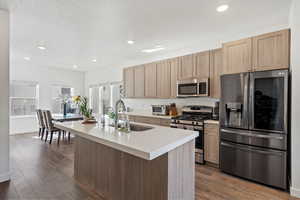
[(137, 128)]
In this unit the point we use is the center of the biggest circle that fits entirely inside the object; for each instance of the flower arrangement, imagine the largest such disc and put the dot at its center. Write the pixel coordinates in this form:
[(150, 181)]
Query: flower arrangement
[(84, 109)]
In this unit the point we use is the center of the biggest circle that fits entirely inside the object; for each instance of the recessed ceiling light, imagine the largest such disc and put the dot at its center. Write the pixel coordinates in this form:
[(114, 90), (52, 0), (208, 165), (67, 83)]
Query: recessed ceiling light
[(130, 42), (222, 8), (153, 50), (75, 66), (27, 58), (94, 60), (41, 47)]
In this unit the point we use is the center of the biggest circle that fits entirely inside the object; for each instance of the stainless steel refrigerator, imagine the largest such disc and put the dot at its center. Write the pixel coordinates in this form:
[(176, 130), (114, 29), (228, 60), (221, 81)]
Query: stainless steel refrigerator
[(254, 126)]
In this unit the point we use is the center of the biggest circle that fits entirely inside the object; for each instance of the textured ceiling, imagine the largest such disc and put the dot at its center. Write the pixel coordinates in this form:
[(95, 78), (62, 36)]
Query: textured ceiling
[(78, 31)]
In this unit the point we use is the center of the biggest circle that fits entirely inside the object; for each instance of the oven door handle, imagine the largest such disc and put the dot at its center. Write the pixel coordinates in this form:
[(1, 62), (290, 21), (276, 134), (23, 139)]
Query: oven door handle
[(253, 135)]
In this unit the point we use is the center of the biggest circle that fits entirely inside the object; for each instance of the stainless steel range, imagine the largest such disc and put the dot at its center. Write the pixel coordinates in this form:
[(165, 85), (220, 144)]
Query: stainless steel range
[(192, 118)]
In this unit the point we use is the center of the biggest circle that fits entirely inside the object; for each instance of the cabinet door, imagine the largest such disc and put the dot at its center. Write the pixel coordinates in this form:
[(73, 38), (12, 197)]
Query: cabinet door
[(139, 81), (186, 69), (150, 80), (211, 143), (202, 64), (271, 51), (163, 79), (174, 65), (128, 78), (237, 56), (216, 65)]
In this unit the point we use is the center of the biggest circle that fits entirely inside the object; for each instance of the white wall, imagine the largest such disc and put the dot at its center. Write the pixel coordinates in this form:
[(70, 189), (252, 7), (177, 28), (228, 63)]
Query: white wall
[(4, 80), (295, 67), (46, 77)]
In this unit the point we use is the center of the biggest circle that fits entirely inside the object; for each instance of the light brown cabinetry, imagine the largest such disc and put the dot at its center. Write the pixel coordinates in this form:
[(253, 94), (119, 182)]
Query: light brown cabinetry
[(202, 61), (150, 120), (163, 79), (216, 66), (271, 51), (128, 77), (150, 80), (211, 143), (174, 65), (237, 56), (139, 81), (186, 68)]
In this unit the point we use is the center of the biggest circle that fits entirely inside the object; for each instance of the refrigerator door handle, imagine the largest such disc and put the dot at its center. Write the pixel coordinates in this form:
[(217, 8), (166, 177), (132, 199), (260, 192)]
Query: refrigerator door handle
[(246, 100), (251, 149), (253, 135)]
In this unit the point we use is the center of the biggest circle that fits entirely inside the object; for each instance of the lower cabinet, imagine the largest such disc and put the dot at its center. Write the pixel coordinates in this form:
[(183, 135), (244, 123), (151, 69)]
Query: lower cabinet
[(211, 143), (150, 120)]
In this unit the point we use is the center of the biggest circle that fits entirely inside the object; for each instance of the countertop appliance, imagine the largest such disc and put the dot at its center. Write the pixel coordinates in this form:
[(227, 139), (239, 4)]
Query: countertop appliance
[(216, 111), (193, 87), (192, 118), (254, 126), (160, 109)]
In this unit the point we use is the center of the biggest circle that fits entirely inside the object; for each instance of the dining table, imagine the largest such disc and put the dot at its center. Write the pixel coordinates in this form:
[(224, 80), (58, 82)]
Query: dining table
[(67, 117)]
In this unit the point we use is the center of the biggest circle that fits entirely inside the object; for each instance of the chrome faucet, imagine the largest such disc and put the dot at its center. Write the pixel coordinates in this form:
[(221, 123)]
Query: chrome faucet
[(121, 103)]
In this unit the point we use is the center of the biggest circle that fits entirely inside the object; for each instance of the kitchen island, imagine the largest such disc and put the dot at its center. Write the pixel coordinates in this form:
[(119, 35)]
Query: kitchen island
[(153, 164)]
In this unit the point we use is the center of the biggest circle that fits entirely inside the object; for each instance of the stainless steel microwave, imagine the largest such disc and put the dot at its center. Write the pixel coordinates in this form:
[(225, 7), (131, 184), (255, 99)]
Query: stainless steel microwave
[(193, 87), (160, 109)]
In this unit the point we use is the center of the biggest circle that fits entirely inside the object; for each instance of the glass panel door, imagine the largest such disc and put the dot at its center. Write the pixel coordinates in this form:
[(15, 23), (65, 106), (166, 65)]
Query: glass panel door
[(269, 102)]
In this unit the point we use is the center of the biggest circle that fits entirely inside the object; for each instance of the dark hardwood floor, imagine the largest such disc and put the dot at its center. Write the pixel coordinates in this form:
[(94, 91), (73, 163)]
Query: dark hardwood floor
[(45, 172)]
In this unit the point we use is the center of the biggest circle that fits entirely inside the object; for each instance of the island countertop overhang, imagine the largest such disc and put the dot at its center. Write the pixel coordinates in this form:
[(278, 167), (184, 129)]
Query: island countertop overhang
[(148, 144)]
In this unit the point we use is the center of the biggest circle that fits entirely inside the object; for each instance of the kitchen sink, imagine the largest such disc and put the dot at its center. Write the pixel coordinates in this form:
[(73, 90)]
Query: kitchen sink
[(137, 128)]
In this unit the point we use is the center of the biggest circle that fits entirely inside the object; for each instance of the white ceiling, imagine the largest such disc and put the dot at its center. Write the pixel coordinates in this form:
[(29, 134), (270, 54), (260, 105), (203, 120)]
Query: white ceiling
[(77, 31)]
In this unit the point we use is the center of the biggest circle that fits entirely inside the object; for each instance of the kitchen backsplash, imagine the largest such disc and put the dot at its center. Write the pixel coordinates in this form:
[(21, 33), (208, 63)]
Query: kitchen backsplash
[(145, 104)]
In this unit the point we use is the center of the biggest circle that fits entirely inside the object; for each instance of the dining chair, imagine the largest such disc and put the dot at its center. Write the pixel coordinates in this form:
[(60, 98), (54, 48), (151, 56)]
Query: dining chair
[(50, 129), (41, 121)]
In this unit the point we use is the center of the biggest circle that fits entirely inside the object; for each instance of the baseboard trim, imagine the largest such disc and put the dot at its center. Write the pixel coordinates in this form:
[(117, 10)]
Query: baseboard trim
[(4, 177), (295, 192)]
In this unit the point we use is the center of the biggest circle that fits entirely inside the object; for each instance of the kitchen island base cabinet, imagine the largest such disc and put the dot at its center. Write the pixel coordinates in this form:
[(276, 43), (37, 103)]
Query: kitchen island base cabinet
[(116, 175)]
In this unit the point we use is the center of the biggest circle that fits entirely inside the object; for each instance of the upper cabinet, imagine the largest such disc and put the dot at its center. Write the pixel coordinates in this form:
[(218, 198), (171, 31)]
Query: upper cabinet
[(128, 78), (216, 66), (175, 66), (271, 51), (139, 81), (150, 80), (163, 79), (186, 68), (237, 56), (202, 61), (159, 80)]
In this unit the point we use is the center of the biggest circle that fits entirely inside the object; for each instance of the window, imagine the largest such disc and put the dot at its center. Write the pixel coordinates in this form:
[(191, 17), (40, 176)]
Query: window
[(94, 92), (23, 98), (104, 96), (61, 94)]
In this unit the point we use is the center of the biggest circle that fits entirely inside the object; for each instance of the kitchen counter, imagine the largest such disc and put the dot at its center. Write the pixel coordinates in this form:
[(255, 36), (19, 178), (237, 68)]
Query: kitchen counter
[(156, 164), (148, 114), (148, 144), (211, 122)]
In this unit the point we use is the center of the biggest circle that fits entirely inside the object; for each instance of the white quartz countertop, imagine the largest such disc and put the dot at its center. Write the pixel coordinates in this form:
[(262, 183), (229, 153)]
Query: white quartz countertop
[(148, 144)]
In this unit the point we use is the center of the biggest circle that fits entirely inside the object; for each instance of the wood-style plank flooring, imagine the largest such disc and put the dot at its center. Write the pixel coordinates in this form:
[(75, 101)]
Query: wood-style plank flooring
[(45, 172)]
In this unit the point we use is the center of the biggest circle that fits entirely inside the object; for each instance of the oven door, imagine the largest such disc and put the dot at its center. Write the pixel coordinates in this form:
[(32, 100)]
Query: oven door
[(187, 88)]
